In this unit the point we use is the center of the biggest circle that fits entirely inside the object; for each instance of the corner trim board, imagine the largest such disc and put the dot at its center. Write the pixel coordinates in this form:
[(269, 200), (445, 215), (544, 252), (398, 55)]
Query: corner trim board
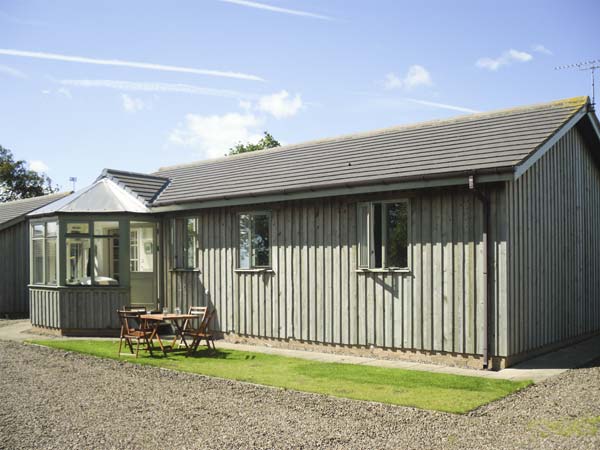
[(543, 149)]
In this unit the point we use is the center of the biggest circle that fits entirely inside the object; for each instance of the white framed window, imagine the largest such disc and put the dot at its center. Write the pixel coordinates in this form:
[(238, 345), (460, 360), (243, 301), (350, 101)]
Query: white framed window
[(184, 239), (44, 253), (92, 252), (383, 234), (254, 250)]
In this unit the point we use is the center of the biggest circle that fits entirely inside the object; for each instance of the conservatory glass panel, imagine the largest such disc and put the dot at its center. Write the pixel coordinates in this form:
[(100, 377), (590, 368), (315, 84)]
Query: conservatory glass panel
[(38, 261), (106, 261), (78, 228), (78, 262), (106, 228), (50, 261)]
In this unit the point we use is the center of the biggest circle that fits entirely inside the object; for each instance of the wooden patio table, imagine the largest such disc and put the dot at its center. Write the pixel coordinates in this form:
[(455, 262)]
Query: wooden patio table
[(177, 319)]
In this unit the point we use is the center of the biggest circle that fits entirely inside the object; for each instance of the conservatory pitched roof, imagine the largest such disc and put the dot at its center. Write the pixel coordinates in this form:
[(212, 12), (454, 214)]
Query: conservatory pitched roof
[(102, 196)]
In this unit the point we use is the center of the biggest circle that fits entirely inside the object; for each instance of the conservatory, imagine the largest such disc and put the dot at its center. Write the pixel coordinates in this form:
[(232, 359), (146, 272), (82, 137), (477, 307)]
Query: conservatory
[(91, 253)]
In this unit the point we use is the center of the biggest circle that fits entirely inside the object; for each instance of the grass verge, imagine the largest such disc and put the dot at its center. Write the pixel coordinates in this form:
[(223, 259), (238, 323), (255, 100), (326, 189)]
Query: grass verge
[(426, 390)]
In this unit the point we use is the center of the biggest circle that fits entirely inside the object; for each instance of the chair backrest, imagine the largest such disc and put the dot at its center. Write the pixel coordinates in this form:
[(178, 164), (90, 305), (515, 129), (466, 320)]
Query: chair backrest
[(204, 325), (135, 308), (127, 318), (199, 311)]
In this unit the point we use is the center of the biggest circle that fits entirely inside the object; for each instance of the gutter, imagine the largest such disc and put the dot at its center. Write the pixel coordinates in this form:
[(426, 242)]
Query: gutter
[(487, 268), (454, 179)]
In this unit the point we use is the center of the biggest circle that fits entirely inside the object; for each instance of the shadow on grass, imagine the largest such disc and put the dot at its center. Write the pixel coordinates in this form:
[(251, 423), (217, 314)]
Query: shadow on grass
[(157, 354)]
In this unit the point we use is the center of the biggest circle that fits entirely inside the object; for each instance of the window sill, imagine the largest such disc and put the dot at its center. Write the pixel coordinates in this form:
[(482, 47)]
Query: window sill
[(76, 286), (258, 270), (383, 270), (42, 286), (92, 286), (185, 270)]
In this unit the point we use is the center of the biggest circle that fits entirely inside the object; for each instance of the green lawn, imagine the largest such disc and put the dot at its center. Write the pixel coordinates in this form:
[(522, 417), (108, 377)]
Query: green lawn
[(442, 392)]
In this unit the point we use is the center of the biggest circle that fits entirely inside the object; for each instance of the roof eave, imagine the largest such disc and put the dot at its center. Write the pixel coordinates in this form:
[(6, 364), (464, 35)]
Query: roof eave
[(427, 181), (13, 222)]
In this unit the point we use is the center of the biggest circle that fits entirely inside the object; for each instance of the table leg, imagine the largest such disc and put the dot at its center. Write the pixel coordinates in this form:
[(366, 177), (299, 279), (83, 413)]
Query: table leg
[(178, 332), (155, 334)]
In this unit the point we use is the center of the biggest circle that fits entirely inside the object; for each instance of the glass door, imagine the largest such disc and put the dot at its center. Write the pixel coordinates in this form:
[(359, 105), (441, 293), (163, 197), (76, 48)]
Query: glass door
[(142, 264)]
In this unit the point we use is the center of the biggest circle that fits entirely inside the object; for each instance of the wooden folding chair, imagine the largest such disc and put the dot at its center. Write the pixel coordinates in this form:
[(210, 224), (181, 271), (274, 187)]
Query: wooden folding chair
[(188, 329), (141, 334), (202, 333), (137, 310)]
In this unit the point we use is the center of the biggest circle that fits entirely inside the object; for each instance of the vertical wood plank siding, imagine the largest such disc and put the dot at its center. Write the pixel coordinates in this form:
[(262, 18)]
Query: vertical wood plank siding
[(14, 269), (315, 292), (77, 308), (554, 248)]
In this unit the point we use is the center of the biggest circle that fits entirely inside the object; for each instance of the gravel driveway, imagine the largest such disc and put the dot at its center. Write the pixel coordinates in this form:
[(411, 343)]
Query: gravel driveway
[(53, 399)]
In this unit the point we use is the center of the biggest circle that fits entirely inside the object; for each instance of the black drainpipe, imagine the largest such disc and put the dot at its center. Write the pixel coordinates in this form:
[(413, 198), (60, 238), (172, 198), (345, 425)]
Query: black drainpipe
[(487, 268)]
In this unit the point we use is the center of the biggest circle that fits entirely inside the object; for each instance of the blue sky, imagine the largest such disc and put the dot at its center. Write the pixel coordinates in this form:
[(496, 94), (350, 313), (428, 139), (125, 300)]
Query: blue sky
[(136, 85)]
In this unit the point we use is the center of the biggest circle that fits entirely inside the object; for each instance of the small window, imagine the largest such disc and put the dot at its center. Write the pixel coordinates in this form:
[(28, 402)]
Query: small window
[(44, 253), (254, 240), (383, 230), (185, 239), (191, 243), (78, 228), (106, 228)]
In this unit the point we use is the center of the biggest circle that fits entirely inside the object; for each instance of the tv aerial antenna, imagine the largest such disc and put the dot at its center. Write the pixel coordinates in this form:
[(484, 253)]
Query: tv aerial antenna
[(592, 66)]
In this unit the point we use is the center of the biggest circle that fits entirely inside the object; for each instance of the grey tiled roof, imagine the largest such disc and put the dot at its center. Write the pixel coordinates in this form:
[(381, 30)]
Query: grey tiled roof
[(18, 208), (145, 187), (487, 142)]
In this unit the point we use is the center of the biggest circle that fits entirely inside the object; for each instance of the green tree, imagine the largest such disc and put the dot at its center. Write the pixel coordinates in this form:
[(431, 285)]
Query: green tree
[(17, 181), (267, 141)]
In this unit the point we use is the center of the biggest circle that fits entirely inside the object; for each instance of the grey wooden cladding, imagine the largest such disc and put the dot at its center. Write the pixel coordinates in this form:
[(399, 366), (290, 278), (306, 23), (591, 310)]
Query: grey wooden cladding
[(45, 307), (554, 248), (14, 269), (315, 292), (77, 308)]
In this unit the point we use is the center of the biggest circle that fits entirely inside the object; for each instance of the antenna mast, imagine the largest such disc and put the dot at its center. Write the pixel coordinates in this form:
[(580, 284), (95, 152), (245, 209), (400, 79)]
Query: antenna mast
[(585, 65)]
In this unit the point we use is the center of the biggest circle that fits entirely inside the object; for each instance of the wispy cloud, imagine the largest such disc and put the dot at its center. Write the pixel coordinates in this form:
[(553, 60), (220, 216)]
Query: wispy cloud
[(64, 92), (541, 49), (157, 87), (417, 75), (11, 71), (442, 105), (277, 9), (20, 21), (132, 64), (504, 59), (61, 91), (132, 104)]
